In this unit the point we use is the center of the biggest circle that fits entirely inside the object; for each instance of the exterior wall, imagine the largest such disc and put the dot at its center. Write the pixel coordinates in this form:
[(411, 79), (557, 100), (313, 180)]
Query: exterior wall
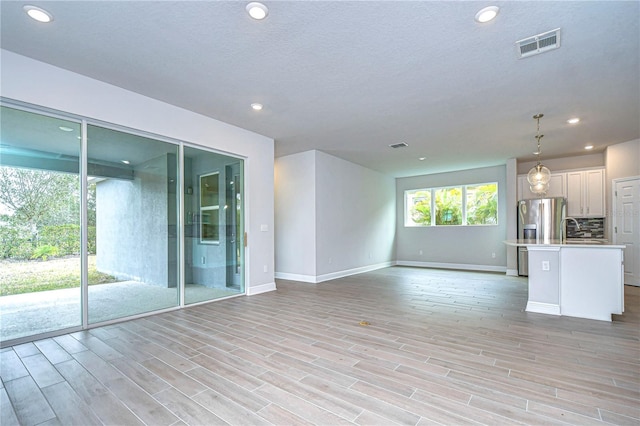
[(24, 79), (460, 247), (131, 231), (334, 218)]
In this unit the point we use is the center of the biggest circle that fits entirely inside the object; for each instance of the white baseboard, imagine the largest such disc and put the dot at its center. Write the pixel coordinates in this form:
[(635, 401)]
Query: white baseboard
[(263, 288), (315, 279), (543, 308), (512, 272), (295, 277), (461, 266), (354, 271)]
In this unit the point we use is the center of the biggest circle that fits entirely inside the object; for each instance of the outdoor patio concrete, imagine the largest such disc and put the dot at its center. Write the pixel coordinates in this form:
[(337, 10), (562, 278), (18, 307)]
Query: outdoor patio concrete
[(34, 313)]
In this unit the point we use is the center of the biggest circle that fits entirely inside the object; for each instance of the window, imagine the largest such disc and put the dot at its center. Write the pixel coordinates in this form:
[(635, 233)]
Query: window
[(209, 208), (449, 206), (475, 204), (482, 204), (418, 208)]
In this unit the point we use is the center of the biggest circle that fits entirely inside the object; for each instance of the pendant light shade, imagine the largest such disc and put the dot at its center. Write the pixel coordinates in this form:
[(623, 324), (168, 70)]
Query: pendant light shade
[(539, 175)]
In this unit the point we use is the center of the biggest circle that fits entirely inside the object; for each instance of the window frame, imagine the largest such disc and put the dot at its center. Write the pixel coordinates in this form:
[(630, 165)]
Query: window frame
[(409, 223), (209, 213)]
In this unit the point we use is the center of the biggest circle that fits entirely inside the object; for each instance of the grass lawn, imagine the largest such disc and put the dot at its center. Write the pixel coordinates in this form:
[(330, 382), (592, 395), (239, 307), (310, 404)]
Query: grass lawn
[(36, 275)]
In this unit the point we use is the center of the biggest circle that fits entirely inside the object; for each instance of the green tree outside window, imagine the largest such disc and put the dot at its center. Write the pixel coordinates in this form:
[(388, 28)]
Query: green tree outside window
[(449, 206), (421, 207), (482, 204), (461, 205)]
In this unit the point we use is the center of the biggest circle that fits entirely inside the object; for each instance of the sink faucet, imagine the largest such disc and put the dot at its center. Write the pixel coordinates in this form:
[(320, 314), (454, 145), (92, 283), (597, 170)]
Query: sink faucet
[(562, 223)]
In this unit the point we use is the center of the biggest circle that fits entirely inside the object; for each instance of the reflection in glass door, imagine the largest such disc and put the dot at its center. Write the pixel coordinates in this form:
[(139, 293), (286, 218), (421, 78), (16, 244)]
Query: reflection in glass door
[(39, 224), (214, 228), (233, 213), (133, 180), (130, 184)]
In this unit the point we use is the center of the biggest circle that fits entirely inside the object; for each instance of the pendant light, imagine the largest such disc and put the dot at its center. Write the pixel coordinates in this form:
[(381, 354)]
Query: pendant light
[(539, 175)]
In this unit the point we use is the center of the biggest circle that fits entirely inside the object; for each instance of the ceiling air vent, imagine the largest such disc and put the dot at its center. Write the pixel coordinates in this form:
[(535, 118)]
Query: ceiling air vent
[(539, 43), (398, 145)]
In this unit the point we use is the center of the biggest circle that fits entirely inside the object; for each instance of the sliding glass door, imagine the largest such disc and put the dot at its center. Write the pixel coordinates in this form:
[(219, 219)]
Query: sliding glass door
[(40, 227), (110, 224), (214, 225), (133, 185)]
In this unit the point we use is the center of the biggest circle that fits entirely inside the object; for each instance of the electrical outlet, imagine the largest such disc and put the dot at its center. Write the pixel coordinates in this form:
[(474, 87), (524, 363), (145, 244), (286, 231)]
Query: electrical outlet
[(545, 265), (204, 260), (493, 255), (266, 269), (420, 252)]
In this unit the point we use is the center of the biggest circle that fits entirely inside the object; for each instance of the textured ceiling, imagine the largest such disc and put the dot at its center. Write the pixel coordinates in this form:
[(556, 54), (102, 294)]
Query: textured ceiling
[(350, 78)]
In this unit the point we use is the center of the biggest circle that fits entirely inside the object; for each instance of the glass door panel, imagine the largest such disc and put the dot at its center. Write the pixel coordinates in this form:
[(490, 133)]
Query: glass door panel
[(214, 225), (39, 224), (133, 207)]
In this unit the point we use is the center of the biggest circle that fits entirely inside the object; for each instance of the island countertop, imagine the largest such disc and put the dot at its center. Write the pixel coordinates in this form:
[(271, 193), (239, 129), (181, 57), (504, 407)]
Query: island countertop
[(568, 243), (577, 278)]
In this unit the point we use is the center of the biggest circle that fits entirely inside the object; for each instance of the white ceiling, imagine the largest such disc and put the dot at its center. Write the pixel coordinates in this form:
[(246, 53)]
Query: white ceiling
[(351, 77)]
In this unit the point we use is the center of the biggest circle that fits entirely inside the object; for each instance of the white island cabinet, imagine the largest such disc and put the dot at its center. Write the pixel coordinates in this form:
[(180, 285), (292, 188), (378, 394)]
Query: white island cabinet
[(583, 280)]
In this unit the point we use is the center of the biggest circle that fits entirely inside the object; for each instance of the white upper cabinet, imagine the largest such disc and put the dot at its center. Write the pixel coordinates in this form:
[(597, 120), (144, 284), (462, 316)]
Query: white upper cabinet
[(557, 187), (583, 189), (585, 193)]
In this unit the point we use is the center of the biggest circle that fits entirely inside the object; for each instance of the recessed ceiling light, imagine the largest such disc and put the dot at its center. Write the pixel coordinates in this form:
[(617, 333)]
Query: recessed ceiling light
[(574, 120), (126, 161), (256, 106), (487, 14), (422, 158), (65, 129), (588, 147), (257, 10), (38, 14)]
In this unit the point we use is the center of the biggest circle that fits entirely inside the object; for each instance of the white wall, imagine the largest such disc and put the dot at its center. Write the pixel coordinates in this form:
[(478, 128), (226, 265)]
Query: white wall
[(355, 217), (462, 247), (565, 163), (334, 218), (621, 160), (295, 206), (512, 219), (34, 82)]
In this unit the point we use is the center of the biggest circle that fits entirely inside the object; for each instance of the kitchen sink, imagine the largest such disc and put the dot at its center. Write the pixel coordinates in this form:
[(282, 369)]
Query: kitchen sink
[(583, 241)]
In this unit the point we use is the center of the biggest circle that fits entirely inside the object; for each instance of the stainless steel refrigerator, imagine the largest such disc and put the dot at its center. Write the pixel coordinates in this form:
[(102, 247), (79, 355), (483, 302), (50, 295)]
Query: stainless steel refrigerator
[(540, 220)]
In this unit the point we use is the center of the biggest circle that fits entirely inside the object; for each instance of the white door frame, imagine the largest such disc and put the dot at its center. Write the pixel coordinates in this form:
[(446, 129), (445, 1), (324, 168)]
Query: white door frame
[(614, 214)]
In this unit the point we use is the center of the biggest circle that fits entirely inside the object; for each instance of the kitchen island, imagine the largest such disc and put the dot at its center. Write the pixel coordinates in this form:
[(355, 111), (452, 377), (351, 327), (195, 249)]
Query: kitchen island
[(576, 278)]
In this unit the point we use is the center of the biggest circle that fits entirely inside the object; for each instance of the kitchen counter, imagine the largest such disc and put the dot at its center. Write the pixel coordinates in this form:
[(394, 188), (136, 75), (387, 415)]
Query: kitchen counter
[(572, 242), (578, 278)]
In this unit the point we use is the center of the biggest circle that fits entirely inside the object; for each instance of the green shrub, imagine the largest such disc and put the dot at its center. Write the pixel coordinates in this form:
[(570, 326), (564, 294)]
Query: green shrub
[(44, 252), (15, 242), (67, 238)]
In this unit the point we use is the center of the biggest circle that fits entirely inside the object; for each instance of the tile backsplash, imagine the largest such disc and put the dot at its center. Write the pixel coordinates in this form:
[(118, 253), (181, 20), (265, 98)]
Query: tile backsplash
[(592, 225)]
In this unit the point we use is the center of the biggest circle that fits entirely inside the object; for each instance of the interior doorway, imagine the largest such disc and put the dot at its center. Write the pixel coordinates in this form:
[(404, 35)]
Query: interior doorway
[(626, 225)]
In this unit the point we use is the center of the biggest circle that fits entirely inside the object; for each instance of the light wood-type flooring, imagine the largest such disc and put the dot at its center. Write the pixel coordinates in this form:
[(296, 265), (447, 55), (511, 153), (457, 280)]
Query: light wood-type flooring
[(399, 345)]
